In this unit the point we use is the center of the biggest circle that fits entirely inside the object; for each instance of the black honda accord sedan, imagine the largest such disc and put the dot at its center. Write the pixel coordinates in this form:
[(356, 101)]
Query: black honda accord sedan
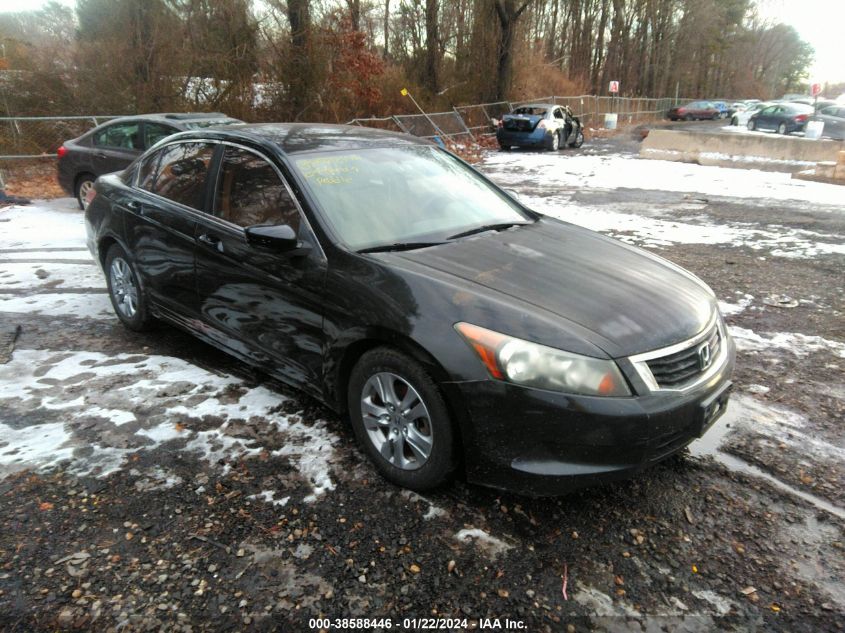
[(459, 330)]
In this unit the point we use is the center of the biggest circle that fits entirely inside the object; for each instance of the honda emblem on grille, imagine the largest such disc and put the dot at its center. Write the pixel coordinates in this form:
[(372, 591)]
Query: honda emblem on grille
[(704, 359)]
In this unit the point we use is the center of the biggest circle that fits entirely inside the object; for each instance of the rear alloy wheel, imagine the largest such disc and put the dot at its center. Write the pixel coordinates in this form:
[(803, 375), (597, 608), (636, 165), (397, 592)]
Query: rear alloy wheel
[(579, 139), (401, 420), (782, 128), (124, 290), (84, 185), (751, 125)]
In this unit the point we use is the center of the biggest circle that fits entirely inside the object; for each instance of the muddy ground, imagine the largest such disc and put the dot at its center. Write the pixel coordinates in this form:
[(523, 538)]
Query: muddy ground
[(148, 482)]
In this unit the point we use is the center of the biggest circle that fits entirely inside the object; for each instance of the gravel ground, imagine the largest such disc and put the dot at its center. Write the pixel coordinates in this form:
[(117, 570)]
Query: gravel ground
[(148, 482)]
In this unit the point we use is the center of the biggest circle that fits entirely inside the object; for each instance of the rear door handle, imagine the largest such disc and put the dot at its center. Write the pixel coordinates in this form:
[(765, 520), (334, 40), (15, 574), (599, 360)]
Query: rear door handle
[(212, 241), (100, 155)]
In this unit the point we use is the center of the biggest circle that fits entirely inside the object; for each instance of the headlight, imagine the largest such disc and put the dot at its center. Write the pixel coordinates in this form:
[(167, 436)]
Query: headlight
[(525, 363)]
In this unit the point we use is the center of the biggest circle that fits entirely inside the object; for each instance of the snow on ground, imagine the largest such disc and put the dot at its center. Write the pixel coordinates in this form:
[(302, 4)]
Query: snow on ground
[(20, 276), (79, 305), (800, 345), (555, 171), (93, 410), (548, 181), (630, 223), (44, 224)]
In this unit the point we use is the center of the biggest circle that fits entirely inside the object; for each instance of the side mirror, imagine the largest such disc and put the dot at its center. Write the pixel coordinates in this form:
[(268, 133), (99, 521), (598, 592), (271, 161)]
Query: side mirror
[(513, 194), (281, 238)]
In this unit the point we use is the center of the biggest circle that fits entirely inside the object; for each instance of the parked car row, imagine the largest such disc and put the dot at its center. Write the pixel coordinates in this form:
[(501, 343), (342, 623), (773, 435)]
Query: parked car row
[(112, 146)]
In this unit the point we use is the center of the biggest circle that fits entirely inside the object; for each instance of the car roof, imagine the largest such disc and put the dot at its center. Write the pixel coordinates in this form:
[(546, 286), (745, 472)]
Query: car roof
[(173, 118), (535, 105), (297, 138)]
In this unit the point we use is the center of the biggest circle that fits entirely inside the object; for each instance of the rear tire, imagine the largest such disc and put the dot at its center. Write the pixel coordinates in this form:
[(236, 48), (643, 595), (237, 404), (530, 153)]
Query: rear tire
[(554, 142), (125, 292), (579, 139), (688, 117), (734, 121), (401, 402), (83, 185)]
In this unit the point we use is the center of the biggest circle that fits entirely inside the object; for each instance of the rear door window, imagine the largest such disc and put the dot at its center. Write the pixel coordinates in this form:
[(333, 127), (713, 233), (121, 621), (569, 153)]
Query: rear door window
[(147, 170), (250, 192), (154, 132), (182, 172), (120, 135)]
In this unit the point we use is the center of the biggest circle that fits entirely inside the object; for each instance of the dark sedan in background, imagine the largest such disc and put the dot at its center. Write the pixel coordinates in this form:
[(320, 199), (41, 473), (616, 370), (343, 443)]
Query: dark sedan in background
[(695, 111), (114, 145), (389, 279), (783, 118)]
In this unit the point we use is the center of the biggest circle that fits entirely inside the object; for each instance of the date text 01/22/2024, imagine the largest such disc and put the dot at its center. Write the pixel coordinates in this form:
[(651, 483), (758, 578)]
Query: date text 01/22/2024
[(417, 624)]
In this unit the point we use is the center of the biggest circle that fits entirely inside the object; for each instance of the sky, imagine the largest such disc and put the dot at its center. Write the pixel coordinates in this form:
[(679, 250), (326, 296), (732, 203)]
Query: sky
[(819, 22)]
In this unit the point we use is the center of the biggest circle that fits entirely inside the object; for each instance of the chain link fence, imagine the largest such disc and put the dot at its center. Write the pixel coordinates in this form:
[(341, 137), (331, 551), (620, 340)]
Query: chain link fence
[(470, 121), (40, 137)]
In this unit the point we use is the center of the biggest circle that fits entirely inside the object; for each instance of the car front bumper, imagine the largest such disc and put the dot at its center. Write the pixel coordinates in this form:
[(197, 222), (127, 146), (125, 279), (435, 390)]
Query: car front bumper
[(538, 443)]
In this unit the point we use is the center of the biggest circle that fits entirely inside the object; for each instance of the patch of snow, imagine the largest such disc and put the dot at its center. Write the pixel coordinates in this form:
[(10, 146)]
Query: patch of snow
[(761, 389), (80, 256), (601, 605), (433, 511), (269, 496), (44, 224), (81, 306), (614, 172), (722, 604), (27, 276), (134, 402), (632, 222), (492, 545), (728, 309), (800, 345)]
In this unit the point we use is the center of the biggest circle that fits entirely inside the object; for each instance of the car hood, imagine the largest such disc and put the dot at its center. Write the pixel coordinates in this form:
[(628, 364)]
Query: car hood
[(633, 301)]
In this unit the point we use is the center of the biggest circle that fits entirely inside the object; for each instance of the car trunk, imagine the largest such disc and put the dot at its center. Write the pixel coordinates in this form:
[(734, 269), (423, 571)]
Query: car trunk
[(521, 122)]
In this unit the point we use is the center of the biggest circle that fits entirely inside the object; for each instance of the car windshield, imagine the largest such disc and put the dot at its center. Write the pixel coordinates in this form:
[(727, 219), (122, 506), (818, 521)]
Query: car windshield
[(392, 195), (203, 123)]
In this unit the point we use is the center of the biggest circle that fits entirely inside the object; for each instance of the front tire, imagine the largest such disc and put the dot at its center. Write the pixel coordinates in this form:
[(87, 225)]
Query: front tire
[(734, 121), (751, 125), (688, 117), (84, 184), (782, 128), (554, 142), (401, 420), (579, 139), (125, 292)]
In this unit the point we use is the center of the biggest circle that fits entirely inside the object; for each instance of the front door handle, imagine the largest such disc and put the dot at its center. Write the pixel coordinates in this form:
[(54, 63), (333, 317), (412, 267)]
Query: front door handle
[(211, 241)]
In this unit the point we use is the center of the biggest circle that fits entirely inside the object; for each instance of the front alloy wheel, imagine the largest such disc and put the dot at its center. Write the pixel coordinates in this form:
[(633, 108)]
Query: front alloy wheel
[(555, 142), (125, 291), (397, 421), (401, 419), (579, 139)]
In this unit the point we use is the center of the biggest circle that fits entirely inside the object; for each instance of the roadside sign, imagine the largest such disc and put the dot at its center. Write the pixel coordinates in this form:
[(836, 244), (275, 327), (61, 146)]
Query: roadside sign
[(815, 89), (613, 87)]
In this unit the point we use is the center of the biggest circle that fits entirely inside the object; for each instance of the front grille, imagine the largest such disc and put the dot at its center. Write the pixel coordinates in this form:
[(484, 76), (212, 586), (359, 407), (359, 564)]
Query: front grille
[(679, 368)]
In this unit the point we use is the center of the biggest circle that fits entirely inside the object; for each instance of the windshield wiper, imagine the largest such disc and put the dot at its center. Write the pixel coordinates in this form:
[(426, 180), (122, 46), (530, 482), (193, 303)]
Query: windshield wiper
[(398, 246), (486, 227)]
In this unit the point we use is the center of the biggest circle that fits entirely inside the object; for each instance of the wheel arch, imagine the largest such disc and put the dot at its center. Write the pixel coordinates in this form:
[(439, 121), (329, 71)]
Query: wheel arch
[(339, 372)]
